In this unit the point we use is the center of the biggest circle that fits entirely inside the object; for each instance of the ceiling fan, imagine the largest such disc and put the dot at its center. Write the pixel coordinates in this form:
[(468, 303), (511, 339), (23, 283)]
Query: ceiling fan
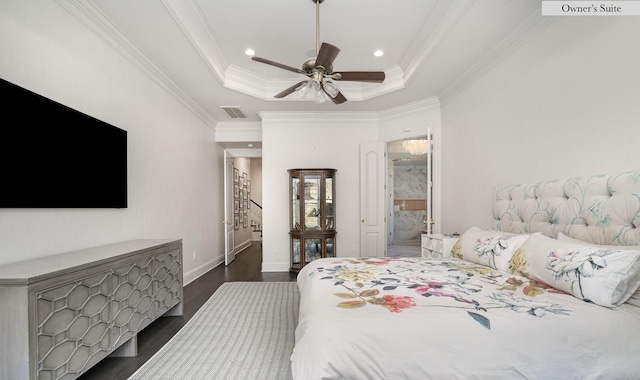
[(320, 71)]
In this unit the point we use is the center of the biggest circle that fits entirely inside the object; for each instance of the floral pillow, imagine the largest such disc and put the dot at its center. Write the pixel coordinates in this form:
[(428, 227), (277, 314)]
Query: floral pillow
[(565, 238), (635, 298), (607, 277), (488, 247)]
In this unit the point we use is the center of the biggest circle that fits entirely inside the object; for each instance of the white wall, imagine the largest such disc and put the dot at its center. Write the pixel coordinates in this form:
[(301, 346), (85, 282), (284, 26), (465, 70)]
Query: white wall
[(565, 104), (174, 167), (311, 140)]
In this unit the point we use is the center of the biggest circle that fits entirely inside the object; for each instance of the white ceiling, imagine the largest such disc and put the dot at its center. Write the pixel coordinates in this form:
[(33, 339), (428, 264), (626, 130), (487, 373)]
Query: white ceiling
[(195, 48)]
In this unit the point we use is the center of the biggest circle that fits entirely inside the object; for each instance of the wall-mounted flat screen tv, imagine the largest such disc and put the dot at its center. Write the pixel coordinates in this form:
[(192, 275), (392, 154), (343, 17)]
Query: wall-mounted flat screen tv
[(52, 156)]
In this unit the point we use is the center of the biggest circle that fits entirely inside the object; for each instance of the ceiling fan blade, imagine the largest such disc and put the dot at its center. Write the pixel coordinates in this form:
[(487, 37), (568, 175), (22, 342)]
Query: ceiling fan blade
[(338, 99), (289, 90), (280, 65), (361, 76), (326, 55)]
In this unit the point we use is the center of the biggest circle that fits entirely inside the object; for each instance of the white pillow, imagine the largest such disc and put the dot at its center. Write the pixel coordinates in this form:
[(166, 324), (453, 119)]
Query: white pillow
[(607, 277), (635, 297), (488, 247), (565, 238)]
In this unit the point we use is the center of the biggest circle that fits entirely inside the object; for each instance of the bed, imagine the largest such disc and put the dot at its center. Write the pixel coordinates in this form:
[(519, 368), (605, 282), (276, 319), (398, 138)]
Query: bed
[(548, 292)]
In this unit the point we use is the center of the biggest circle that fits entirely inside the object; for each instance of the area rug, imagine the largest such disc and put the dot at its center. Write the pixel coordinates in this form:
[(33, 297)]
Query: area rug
[(244, 331)]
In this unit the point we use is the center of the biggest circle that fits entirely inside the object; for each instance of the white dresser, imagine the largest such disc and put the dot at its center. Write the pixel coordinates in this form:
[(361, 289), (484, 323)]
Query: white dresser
[(437, 245), (64, 313)]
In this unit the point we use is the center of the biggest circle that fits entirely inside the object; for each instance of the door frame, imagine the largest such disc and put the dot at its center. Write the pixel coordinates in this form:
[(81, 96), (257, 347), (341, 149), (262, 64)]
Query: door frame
[(435, 174), (228, 201), (229, 230), (392, 157)]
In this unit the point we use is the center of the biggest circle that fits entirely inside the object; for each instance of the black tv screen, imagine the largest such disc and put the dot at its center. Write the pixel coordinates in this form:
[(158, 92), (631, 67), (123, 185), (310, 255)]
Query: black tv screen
[(52, 156)]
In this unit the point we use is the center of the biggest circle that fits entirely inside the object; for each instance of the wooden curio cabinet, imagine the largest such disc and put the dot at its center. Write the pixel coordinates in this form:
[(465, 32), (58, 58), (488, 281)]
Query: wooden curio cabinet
[(312, 194)]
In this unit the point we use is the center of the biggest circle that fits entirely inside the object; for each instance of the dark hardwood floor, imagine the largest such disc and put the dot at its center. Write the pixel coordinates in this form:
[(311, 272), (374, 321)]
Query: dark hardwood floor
[(246, 267)]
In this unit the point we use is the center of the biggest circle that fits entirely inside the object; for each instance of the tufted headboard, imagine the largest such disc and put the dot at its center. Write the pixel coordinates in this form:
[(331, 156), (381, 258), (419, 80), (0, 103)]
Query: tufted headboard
[(602, 209)]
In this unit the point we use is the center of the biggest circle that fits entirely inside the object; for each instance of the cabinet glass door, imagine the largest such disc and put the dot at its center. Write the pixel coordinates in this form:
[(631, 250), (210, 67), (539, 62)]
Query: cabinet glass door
[(295, 203), (331, 247), (312, 207), (313, 249), (295, 253), (329, 220)]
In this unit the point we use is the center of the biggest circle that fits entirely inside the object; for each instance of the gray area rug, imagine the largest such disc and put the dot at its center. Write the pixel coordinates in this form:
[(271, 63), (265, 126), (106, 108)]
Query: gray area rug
[(244, 331)]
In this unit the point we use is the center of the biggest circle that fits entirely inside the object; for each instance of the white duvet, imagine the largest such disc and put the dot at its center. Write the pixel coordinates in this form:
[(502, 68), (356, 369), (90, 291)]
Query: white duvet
[(450, 319)]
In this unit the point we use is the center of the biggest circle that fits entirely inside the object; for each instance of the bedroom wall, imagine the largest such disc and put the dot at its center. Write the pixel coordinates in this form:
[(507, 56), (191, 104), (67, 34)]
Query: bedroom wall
[(311, 140), (565, 104), (174, 164)]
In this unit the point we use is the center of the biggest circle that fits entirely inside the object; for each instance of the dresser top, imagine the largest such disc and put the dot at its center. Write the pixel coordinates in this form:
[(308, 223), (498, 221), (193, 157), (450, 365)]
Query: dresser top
[(38, 269)]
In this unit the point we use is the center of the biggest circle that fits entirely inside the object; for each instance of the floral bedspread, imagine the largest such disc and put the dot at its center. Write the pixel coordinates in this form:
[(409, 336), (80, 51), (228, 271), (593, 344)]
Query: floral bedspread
[(406, 318)]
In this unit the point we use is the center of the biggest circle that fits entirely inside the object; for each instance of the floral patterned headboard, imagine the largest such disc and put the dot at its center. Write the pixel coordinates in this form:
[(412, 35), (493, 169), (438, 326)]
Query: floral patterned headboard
[(602, 209)]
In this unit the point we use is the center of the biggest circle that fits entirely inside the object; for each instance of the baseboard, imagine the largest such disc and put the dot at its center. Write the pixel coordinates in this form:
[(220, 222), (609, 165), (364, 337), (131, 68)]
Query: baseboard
[(275, 267), (202, 269), (242, 246)]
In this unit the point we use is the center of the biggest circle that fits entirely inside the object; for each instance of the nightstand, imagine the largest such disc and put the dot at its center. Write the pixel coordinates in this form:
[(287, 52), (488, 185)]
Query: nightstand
[(437, 245)]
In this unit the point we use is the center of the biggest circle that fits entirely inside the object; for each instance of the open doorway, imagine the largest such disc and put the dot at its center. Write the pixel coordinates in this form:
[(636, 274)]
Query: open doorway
[(245, 206), (408, 196)]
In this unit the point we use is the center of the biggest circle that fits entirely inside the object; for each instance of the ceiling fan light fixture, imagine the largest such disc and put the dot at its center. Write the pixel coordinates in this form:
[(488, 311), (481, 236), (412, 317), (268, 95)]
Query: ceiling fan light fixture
[(303, 89), (331, 88), (320, 97)]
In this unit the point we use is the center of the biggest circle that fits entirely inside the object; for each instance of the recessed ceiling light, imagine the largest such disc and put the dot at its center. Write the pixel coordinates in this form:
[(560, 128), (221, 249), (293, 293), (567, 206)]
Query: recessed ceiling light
[(378, 53), (249, 52), (250, 145)]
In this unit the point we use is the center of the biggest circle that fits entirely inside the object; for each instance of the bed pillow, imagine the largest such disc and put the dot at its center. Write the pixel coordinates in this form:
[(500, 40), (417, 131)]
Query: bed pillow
[(635, 297), (607, 277), (488, 247), (565, 238)]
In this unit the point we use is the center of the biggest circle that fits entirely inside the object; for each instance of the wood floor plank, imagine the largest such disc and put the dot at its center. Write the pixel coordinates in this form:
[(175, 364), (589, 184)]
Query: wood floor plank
[(246, 267)]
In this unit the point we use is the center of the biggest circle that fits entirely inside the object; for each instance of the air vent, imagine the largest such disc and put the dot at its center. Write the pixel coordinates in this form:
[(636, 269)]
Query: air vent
[(234, 112)]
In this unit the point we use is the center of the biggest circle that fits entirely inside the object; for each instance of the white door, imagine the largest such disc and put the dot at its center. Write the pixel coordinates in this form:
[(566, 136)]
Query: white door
[(229, 238), (372, 200)]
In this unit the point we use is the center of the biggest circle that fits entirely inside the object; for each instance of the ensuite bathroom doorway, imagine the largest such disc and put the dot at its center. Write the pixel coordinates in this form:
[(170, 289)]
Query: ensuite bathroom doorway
[(408, 195)]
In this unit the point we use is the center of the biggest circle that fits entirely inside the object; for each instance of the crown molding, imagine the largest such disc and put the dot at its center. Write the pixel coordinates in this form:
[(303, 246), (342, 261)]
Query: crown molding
[(504, 48), (294, 117), (189, 17), (91, 17), (421, 106), (238, 131), (427, 40)]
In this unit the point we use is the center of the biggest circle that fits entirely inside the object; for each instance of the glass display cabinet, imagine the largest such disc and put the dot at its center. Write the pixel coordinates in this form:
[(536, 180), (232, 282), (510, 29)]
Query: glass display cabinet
[(312, 195)]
